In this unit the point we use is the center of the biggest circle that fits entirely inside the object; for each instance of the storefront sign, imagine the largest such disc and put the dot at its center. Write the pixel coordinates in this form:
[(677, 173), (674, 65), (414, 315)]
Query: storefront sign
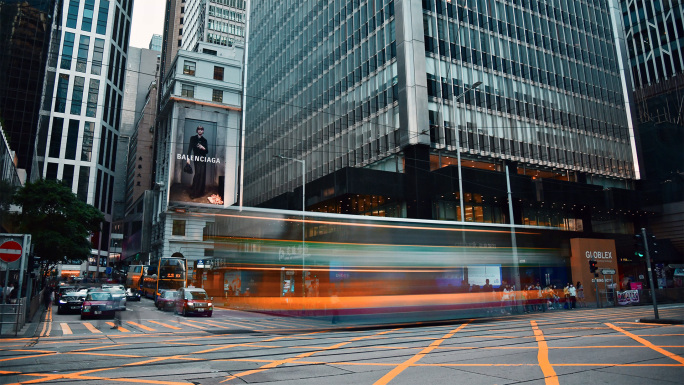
[(628, 297)]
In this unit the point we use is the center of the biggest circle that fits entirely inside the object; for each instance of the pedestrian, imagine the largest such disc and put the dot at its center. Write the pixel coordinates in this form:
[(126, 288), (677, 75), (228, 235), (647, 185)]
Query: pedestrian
[(573, 296), (566, 296), (48, 297), (505, 299), (580, 295)]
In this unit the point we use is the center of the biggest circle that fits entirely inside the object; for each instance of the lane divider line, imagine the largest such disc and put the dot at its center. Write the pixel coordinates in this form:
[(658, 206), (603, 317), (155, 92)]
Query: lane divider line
[(302, 355), (647, 343), (550, 376), (406, 364)]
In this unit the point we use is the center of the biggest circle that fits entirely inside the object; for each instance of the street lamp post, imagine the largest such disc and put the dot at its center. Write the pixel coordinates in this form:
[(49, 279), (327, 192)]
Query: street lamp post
[(458, 146), (303, 162)]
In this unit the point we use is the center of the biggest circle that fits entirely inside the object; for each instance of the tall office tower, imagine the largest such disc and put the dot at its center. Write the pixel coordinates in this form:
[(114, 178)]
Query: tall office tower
[(220, 22), (80, 117), (353, 88), (654, 37), (24, 38), (155, 43), (172, 37)]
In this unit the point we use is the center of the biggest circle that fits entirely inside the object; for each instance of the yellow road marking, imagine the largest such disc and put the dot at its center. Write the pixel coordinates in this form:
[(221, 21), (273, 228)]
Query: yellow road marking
[(121, 329), (165, 325), (141, 326), (403, 366), (550, 376), (90, 327), (65, 328), (647, 343), (303, 355), (47, 323), (191, 325)]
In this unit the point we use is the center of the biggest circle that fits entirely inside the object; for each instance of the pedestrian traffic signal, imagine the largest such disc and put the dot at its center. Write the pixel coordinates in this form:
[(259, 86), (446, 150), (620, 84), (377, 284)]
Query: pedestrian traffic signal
[(639, 249), (592, 266), (33, 263)]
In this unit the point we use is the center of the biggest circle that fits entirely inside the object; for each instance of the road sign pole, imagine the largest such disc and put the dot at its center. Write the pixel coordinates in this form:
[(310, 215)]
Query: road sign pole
[(650, 276)]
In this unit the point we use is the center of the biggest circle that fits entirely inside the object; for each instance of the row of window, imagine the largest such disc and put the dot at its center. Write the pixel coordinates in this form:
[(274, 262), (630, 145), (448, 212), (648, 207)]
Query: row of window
[(227, 14), (189, 68), (221, 26), (188, 91), (88, 15), (239, 4)]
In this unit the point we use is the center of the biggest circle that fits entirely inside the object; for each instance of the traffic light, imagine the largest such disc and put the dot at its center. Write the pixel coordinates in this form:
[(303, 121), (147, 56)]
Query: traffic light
[(33, 263), (592, 266), (639, 249)]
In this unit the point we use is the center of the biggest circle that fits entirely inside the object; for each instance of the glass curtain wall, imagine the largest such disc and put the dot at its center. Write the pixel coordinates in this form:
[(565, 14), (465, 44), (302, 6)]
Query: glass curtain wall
[(324, 91), (551, 93)]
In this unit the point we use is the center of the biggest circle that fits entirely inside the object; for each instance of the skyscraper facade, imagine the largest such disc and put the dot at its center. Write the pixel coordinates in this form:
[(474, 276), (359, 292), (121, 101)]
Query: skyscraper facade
[(80, 117), (24, 37), (220, 22), (417, 87)]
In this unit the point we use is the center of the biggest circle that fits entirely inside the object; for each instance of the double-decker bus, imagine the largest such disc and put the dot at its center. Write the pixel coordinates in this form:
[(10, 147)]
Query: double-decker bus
[(134, 276), (169, 273)]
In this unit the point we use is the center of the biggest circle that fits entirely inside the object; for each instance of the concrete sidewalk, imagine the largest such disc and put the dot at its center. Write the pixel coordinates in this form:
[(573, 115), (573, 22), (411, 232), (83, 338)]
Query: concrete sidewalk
[(28, 330)]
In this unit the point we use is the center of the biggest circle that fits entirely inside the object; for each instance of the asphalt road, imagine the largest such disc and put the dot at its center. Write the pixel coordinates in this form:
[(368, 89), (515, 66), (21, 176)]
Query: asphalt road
[(582, 346)]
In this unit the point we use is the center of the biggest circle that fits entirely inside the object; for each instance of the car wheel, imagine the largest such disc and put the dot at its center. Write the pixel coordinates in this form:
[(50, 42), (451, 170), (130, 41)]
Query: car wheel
[(185, 313), (59, 310), (209, 314), (83, 317)]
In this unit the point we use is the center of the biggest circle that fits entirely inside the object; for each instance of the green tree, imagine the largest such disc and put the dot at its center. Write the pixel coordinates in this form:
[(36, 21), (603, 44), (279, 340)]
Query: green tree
[(60, 224)]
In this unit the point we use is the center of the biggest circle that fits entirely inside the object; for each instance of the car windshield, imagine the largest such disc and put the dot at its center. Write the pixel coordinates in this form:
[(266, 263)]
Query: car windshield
[(169, 294), (99, 297), (198, 295), (72, 296)]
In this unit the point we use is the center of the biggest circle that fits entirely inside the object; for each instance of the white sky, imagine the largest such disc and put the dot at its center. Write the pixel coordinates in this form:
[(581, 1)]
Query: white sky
[(148, 19)]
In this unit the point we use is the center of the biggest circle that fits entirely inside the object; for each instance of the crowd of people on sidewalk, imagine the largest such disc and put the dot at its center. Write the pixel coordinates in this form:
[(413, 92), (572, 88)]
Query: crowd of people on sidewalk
[(535, 298), (8, 293)]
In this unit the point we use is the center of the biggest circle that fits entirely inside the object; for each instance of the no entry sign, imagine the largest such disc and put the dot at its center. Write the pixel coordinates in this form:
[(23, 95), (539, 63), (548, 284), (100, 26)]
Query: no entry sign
[(10, 251)]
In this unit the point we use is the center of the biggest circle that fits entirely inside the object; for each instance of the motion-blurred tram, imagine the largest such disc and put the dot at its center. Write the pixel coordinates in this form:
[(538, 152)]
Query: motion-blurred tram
[(355, 266)]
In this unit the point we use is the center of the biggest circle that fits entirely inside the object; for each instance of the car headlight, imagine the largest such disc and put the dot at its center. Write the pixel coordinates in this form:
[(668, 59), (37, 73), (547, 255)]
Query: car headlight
[(210, 304), (191, 304), (62, 301)]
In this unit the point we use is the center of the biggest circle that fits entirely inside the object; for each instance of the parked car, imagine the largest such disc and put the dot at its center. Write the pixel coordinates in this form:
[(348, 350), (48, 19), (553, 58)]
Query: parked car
[(97, 303), (71, 302), (156, 297), (193, 301), (167, 300), (132, 295)]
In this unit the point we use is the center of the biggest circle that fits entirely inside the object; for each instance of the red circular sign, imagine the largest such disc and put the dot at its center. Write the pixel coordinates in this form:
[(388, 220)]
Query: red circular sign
[(10, 251)]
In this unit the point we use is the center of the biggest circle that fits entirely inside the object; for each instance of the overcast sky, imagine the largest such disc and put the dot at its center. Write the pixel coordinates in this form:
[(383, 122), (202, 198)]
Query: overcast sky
[(148, 19)]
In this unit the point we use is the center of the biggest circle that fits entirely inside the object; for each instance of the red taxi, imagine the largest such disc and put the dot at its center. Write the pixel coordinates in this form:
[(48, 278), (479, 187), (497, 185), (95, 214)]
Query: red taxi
[(98, 303)]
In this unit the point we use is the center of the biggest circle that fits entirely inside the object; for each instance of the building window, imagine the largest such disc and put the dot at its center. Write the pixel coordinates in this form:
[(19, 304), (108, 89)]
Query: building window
[(93, 92), (88, 11), (98, 52), (189, 68), (83, 46), (188, 91), (61, 97), (67, 50), (218, 73), (77, 95), (72, 16), (102, 17), (178, 227), (217, 96)]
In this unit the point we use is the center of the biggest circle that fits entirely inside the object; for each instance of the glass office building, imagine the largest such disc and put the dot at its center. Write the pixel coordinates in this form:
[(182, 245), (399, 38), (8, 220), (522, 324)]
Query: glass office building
[(394, 85)]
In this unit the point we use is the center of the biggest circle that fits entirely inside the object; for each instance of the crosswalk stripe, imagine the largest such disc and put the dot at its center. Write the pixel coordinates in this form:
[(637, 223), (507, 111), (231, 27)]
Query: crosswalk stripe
[(90, 327), (65, 328), (121, 329), (141, 326), (166, 325), (194, 326)]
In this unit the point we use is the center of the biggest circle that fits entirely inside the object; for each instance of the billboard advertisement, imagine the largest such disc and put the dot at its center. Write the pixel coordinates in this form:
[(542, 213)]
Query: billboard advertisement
[(199, 163)]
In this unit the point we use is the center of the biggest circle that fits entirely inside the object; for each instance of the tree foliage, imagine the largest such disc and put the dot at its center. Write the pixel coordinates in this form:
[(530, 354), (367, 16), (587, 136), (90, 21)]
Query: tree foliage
[(60, 224)]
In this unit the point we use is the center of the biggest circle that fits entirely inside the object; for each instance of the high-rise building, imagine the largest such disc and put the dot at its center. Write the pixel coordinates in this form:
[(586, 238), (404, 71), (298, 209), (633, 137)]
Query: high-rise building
[(80, 117), (24, 38), (220, 22), (156, 43), (419, 107), (653, 33)]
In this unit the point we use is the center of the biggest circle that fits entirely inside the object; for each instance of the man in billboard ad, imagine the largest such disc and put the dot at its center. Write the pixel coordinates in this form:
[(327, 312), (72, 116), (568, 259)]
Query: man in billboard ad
[(200, 163)]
